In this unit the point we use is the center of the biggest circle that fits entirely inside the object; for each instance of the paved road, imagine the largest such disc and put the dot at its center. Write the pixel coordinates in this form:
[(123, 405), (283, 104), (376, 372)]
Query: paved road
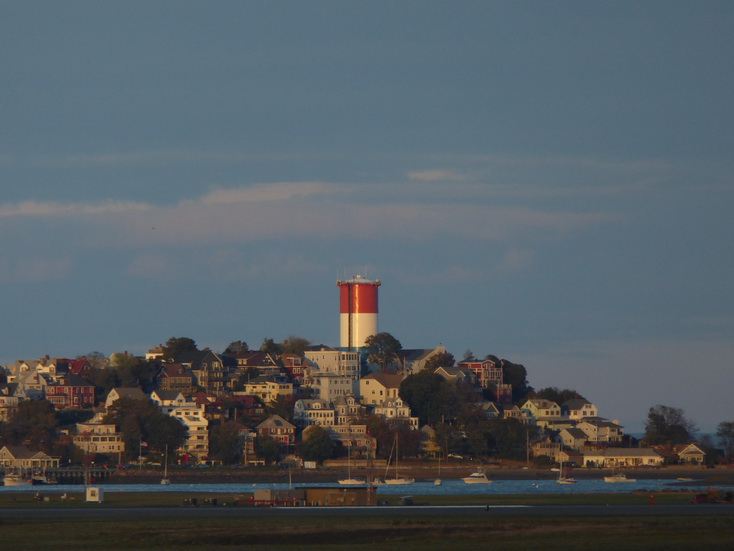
[(391, 511)]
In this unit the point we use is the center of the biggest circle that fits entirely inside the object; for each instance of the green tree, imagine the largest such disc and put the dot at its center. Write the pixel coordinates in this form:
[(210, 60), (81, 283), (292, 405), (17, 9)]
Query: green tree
[(296, 345), (266, 448), (226, 442), (442, 359), (271, 347), (141, 421), (725, 434), (382, 349), (316, 445), (515, 375), (177, 345), (668, 425), (133, 371), (236, 347), (33, 423), (283, 406), (557, 395)]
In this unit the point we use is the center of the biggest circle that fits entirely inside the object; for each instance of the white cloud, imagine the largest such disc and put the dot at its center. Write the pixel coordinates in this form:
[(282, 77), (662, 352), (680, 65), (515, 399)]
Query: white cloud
[(39, 208), (435, 175), (280, 191)]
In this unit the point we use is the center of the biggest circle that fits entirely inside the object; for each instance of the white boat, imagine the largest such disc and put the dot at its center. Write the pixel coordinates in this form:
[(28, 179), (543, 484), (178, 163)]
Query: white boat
[(563, 478), (349, 481), (397, 480), (479, 477), (165, 481), (15, 480), (619, 477), (438, 482)]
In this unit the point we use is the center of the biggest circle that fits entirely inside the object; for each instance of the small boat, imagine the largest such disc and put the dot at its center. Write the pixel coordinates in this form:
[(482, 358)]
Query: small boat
[(438, 482), (349, 481), (15, 480), (165, 481), (619, 477), (563, 478), (397, 480), (479, 477)]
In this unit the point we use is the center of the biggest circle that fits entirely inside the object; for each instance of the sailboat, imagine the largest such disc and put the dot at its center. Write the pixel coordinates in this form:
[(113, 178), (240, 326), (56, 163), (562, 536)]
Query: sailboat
[(562, 478), (438, 482), (165, 481), (349, 481), (397, 480)]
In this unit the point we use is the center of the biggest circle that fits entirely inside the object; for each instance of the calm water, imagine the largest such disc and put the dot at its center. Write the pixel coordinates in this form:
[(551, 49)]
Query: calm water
[(449, 487)]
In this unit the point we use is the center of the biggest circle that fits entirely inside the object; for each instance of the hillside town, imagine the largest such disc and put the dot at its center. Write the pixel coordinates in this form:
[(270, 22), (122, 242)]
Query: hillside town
[(308, 404), (256, 407)]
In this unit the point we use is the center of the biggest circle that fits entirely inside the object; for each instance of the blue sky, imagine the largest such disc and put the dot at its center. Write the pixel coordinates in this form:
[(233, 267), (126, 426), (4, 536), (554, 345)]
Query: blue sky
[(549, 182)]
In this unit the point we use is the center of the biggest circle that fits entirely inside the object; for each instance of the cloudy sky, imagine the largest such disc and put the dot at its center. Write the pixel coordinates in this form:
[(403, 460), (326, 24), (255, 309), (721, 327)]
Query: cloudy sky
[(549, 182)]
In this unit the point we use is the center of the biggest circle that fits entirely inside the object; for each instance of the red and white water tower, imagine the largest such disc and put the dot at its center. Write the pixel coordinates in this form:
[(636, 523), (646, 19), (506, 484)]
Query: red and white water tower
[(358, 311)]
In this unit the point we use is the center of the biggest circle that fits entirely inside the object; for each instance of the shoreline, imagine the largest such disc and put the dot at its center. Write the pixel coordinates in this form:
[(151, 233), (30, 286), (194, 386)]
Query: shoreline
[(223, 475)]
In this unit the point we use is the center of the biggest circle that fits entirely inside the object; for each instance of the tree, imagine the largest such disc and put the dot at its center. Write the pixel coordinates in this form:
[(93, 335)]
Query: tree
[(283, 406), (141, 421), (442, 359), (32, 423), (267, 448), (668, 425), (236, 347), (226, 442), (133, 371), (725, 434), (382, 349), (515, 375), (271, 347), (177, 345), (296, 345), (316, 444), (557, 395)]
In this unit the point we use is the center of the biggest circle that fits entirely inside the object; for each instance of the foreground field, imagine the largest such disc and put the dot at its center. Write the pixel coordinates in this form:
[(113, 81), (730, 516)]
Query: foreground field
[(384, 533), (162, 522)]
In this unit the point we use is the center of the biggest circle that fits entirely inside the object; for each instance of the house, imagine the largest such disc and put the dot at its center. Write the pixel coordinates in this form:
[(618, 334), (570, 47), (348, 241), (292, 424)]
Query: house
[(344, 363), (601, 431), (70, 391), (166, 398), (546, 448), (354, 435), (578, 409), (622, 457), (457, 374), (98, 439), (22, 459), (682, 453), (429, 446), (489, 373), (513, 412), (192, 416), (176, 376), (490, 409), (8, 401), (375, 388), (268, 389), (124, 392), (348, 410), (573, 438), (330, 386), (208, 369), (313, 412), (541, 412), (265, 363), (397, 410), (294, 365), (412, 361), (278, 429)]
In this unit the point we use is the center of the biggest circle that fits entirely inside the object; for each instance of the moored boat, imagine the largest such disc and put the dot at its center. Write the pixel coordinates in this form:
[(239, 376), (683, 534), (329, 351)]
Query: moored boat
[(619, 477), (479, 477)]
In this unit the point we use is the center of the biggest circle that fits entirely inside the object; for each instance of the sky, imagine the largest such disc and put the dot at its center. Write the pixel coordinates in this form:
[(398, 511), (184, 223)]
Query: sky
[(547, 182)]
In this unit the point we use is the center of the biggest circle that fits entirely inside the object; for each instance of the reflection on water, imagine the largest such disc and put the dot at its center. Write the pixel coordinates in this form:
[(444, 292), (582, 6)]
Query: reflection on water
[(449, 487)]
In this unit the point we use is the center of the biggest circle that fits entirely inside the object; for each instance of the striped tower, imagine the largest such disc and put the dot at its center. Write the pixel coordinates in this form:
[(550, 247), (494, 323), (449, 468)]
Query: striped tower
[(358, 311)]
